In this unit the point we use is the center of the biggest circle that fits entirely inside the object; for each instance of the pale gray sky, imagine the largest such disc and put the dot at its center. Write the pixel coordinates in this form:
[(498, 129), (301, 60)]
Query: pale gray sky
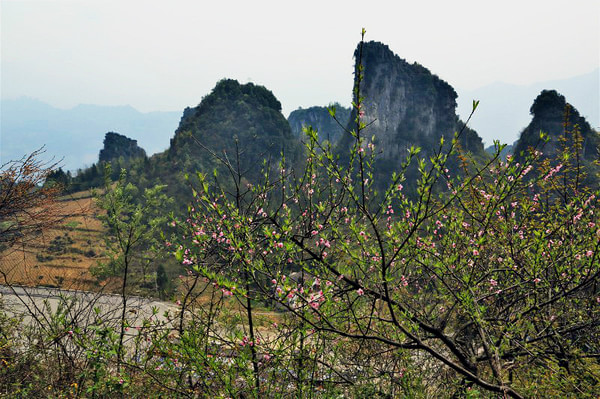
[(165, 55)]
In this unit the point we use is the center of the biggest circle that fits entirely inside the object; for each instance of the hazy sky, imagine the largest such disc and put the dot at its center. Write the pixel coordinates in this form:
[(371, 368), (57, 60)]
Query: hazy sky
[(166, 55)]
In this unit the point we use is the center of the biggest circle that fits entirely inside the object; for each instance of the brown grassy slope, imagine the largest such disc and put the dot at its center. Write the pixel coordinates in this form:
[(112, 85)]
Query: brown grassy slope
[(62, 255)]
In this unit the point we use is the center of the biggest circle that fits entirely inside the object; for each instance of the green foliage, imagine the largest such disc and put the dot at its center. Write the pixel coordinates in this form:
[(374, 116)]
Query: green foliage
[(59, 177), (325, 278), (163, 283), (475, 286), (135, 221)]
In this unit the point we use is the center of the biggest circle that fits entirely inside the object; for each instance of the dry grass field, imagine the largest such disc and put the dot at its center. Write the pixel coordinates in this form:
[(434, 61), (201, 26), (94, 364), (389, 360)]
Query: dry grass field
[(60, 256)]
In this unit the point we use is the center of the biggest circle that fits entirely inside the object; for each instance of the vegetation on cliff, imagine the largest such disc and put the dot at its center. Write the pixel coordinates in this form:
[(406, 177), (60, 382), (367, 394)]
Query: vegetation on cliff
[(320, 120)]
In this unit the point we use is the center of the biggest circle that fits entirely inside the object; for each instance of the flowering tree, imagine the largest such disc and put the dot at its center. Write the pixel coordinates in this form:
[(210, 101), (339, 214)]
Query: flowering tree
[(488, 285)]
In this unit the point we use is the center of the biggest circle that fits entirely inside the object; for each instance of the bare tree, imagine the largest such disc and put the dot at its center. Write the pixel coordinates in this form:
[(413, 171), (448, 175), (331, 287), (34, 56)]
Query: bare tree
[(27, 206)]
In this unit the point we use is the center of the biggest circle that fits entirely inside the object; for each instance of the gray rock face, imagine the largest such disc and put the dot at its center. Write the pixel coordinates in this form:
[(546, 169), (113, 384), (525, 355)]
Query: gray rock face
[(320, 120), (406, 105), (118, 146)]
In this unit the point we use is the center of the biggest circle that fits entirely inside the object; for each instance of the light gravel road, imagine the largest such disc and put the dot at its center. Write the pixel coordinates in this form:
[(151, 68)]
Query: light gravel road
[(79, 307)]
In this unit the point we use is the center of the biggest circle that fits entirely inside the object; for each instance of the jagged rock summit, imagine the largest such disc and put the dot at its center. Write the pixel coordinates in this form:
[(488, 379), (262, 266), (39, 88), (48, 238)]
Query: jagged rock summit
[(406, 105), (320, 119), (553, 115), (117, 146)]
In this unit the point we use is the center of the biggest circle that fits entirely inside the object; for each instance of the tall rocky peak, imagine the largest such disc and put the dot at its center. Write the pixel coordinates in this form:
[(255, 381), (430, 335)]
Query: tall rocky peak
[(117, 146), (406, 105), (234, 119), (320, 119), (553, 115)]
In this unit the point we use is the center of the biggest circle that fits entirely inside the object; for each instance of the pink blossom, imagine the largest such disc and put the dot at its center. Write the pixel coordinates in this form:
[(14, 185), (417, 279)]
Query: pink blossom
[(526, 170), (360, 291)]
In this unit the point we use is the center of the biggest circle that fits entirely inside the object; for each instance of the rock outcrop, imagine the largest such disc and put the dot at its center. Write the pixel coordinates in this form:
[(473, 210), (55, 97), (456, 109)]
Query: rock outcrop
[(553, 115), (119, 147), (321, 120), (406, 105)]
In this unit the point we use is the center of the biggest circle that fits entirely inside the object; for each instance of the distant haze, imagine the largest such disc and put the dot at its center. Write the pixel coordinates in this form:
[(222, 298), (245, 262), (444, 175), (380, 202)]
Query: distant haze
[(74, 136), (164, 56), (503, 110)]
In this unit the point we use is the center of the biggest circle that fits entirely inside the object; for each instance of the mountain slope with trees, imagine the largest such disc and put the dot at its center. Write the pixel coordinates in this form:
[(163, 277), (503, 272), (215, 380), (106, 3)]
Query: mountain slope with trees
[(554, 116)]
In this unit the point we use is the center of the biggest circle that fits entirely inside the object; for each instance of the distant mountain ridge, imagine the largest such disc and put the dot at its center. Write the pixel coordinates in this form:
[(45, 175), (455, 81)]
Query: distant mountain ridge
[(75, 135)]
